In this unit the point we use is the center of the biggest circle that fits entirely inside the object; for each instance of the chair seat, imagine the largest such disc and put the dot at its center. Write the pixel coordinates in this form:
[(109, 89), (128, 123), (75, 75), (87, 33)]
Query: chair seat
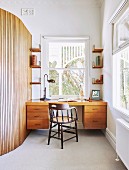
[(65, 119)]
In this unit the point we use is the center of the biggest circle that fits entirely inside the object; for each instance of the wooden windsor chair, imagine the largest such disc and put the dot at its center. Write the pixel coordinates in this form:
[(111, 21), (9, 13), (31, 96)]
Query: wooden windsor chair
[(62, 116)]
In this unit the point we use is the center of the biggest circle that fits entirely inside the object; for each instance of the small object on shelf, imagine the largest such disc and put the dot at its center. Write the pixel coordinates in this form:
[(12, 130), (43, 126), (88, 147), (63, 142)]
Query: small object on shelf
[(95, 95), (33, 60), (98, 81), (101, 78), (98, 61), (90, 100)]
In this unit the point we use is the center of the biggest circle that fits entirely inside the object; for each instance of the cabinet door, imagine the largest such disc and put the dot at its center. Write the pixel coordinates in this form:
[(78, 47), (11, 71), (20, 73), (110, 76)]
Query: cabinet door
[(95, 117), (37, 117)]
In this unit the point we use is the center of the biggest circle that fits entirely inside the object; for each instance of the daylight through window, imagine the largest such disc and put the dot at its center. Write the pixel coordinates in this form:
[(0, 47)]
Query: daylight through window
[(67, 65), (121, 64)]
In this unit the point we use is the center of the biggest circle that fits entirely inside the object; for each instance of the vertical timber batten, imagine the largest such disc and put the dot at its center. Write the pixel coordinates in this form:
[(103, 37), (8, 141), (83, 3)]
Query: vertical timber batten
[(15, 42)]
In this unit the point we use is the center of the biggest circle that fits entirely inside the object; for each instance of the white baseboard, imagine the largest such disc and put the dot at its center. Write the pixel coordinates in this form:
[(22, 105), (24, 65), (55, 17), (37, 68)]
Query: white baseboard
[(111, 138)]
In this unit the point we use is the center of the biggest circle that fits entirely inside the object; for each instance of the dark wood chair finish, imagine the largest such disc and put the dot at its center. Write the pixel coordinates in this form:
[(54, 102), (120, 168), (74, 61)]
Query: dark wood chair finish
[(63, 116)]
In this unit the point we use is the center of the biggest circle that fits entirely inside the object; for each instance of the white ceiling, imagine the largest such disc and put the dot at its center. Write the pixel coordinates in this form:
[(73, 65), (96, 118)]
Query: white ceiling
[(70, 2)]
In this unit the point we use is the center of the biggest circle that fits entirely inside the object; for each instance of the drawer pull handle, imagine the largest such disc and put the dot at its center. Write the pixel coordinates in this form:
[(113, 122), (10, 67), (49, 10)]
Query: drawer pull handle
[(94, 109), (36, 116), (37, 124), (36, 109)]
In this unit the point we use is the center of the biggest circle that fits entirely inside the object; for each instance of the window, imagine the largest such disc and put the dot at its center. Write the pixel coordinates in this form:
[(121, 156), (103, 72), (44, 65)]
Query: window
[(67, 63), (121, 80), (121, 64), (121, 31)]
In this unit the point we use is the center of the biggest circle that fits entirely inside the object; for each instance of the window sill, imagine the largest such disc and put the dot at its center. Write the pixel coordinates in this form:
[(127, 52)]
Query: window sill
[(123, 112)]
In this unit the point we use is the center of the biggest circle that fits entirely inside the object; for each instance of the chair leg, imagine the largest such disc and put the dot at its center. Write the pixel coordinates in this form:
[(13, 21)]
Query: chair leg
[(61, 137), (49, 136), (76, 131), (58, 130)]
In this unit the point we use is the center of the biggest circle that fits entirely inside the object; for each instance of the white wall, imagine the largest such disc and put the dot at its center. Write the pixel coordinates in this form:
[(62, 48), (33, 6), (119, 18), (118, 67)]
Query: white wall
[(59, 18), (107, 11)]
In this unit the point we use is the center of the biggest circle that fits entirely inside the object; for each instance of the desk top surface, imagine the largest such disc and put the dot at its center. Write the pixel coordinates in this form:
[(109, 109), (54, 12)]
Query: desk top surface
[(74, 103)]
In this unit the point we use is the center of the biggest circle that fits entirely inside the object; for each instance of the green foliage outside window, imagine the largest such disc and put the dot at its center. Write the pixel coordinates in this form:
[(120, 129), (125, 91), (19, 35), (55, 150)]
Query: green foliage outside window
[(71, 78)]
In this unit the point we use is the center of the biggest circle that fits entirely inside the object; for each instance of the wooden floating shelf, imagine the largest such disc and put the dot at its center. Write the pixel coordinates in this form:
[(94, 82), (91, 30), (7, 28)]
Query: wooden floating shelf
[(35, 66), (35, 82), (35, 49), (97, 50), (97, 66), (98, 83)]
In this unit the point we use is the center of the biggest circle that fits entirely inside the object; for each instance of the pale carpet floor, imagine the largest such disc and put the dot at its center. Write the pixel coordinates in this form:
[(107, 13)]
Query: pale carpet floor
[(92, 152)]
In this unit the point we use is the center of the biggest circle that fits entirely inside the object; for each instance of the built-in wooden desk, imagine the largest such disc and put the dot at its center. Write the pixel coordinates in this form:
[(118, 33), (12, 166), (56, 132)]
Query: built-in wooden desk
[(94, 114)]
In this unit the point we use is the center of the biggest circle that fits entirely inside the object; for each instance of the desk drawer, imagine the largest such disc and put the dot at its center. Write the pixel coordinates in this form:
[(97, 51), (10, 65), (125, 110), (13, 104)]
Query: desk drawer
[(38, 124), (95, 109), (91, 115), (95, 124), (37, 109), (37, 115)]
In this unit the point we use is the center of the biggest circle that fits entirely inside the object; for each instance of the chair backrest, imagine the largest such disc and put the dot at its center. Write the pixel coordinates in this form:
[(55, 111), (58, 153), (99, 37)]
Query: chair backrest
[(59, 106), (62, 113)]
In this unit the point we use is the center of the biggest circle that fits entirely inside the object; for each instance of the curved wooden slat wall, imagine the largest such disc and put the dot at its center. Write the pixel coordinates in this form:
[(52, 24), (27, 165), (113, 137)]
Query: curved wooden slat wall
[(15, 42)]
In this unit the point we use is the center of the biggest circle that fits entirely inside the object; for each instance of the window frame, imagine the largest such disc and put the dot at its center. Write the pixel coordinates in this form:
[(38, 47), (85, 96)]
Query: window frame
[(116, 83), (45, 66), (116, 51)]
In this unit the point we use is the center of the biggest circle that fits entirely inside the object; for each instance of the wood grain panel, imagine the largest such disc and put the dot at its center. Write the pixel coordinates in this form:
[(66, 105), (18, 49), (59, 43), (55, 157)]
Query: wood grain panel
[(95, 109), (37, 117), (15, 42), (36, 108), (95, 117), (99, 115), (37, 124)]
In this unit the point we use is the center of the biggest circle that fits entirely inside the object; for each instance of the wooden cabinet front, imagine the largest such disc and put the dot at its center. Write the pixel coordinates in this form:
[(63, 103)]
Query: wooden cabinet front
[(37, 117), (95, 117)]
